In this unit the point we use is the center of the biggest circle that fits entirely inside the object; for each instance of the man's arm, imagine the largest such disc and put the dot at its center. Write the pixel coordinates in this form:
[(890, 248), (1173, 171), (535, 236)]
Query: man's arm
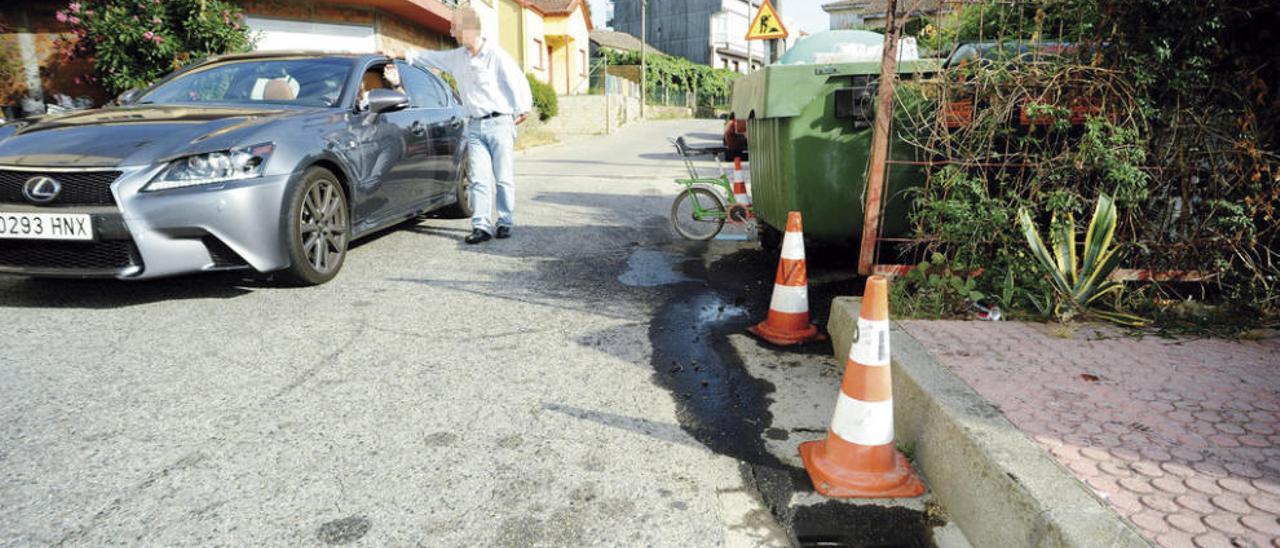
[(446, 60), (522, 96)]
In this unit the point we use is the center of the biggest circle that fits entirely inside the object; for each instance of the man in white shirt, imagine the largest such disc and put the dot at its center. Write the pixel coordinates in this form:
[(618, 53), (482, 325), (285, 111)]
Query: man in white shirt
[(497, 97)]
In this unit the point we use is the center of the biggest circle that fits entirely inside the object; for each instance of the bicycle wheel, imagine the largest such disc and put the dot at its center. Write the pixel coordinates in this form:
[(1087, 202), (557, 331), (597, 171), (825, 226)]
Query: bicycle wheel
[(698, 214)]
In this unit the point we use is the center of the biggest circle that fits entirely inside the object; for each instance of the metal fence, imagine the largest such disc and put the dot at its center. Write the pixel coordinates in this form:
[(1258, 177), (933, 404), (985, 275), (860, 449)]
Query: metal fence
[(602, 80), (622, 80)]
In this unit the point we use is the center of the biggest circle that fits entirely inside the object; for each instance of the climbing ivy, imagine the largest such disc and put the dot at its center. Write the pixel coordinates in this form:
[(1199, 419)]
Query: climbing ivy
[(665, 71)]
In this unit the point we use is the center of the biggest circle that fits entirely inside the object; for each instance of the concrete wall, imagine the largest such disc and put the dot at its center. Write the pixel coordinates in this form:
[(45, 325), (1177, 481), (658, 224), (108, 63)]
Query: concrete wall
[(394, 34), (585, 114)]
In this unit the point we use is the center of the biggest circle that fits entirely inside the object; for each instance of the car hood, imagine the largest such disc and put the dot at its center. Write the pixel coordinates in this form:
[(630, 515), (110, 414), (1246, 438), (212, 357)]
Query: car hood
[(130, 135)]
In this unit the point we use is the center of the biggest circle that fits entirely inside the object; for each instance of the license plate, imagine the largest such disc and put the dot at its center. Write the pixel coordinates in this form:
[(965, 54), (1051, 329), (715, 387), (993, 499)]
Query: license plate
[(46, 226)]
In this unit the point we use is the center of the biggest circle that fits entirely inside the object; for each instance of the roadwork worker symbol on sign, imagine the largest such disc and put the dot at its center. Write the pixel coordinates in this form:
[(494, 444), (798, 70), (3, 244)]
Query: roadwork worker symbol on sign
[(766, 25)]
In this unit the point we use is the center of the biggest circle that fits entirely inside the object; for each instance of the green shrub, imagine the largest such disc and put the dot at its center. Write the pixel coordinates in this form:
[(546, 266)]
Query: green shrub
[(134, 44), (544, 98)]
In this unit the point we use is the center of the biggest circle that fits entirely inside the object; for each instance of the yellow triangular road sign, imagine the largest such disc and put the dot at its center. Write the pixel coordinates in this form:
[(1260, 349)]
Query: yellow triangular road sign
[(767, 25)]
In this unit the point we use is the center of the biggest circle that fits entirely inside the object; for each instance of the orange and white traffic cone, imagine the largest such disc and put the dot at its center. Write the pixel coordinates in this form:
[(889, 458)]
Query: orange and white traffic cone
[(788, 319), (740, 183), (858, 459)]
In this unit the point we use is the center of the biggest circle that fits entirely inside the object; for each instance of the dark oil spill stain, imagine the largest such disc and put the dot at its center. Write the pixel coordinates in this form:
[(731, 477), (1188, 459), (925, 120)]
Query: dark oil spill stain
[(727, 410), (345, 530), (836, 524)]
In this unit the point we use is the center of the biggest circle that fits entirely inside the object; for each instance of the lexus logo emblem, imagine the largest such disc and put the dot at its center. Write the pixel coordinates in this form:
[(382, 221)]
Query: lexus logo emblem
[(41, 189)]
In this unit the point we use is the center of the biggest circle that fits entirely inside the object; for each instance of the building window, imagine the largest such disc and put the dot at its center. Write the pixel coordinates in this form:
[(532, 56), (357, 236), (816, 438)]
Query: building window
[(537, 46), (724, 63), (737, 67), (583, 53)]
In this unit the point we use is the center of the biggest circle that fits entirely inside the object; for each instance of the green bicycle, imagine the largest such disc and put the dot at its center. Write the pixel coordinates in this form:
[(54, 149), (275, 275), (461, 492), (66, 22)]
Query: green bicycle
[(700, 211)]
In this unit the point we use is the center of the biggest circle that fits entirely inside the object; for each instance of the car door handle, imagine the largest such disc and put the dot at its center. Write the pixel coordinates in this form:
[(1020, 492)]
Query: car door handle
[(417, 128)]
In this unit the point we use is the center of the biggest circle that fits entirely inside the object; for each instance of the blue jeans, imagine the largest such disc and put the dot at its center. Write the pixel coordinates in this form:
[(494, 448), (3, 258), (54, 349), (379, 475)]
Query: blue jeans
[(489, 158)]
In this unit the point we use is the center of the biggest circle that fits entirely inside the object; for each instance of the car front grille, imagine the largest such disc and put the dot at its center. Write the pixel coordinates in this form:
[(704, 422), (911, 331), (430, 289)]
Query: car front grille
[(78, 187), (70, 256)]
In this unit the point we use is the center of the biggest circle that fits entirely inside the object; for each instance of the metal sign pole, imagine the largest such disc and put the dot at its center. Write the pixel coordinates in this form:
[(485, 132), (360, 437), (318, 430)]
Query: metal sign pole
[(879, 142), (644, 53)]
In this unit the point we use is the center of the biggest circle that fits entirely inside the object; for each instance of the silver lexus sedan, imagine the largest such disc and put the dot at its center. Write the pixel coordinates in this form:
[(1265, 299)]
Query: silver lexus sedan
[(267, 161)]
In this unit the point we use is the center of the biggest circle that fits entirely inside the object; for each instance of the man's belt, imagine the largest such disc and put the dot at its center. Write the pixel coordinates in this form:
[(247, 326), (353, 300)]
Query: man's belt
[(490, 115)]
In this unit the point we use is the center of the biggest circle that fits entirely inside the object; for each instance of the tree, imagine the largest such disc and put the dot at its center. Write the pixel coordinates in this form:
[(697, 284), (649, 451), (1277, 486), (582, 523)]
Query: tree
[(133, 43)]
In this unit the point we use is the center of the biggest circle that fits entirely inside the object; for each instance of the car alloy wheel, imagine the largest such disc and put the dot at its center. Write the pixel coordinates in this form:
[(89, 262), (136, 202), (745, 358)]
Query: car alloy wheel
[(323, 226), (316, 228)]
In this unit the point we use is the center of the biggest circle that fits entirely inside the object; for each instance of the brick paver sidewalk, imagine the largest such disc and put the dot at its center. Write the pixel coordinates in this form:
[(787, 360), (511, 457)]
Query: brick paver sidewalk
[(1181, 437)]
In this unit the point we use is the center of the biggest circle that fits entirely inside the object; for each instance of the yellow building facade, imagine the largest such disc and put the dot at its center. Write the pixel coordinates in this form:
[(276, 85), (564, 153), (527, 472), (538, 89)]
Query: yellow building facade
[(549, 38)]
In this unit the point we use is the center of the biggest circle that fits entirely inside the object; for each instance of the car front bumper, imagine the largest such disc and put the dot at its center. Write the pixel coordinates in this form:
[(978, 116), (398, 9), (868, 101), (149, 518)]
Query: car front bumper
[(144, 235)]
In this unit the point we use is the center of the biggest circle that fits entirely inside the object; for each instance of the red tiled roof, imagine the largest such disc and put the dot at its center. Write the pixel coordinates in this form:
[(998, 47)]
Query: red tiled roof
[(560, 7)]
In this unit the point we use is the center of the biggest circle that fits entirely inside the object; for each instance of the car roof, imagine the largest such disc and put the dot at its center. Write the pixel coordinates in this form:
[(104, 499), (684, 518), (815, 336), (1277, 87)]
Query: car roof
[(276, 54)]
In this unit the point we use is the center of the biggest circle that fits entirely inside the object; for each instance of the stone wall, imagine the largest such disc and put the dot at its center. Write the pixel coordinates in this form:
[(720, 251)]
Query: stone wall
[(585, 114)]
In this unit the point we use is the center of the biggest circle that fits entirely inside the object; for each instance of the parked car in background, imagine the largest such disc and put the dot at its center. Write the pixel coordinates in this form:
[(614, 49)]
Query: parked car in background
[(270, 162), (735, 138)]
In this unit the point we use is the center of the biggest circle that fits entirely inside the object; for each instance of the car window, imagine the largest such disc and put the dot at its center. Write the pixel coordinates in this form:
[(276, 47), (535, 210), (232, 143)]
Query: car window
[(424, 90), (314, 82)]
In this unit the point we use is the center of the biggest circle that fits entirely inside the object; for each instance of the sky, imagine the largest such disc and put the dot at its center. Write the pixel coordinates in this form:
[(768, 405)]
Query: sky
[(807, 14)]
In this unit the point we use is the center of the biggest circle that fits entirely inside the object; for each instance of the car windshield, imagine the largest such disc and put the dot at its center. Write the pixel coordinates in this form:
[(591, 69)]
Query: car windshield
[(304, 82)]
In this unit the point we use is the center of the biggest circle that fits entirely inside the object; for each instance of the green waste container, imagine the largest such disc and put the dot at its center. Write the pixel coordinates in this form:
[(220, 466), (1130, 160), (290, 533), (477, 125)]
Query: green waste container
[(809, 120)]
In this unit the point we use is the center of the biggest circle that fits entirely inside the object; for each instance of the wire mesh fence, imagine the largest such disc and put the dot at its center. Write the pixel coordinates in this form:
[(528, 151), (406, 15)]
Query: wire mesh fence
[(624, 80)]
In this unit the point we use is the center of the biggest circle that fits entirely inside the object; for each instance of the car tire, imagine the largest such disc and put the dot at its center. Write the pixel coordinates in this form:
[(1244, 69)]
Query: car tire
[(317, 228), (460, 209)]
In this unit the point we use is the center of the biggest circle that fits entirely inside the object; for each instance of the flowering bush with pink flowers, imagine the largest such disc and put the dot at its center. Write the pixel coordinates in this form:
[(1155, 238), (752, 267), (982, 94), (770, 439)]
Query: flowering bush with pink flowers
[(134, 43)]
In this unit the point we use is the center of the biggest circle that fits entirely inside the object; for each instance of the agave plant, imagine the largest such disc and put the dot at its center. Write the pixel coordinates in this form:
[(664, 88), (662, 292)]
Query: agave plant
[(1081, 285)]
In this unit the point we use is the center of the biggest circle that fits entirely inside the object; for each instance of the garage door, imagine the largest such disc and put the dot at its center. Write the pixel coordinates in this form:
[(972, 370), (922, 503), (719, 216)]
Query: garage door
[(280, 34)]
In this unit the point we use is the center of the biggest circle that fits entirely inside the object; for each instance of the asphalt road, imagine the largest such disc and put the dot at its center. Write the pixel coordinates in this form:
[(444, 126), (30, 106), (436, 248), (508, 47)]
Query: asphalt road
[(523, 392)]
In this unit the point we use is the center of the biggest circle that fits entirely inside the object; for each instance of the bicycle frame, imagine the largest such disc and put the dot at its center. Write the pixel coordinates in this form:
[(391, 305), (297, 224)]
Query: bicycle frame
[(728, 207)]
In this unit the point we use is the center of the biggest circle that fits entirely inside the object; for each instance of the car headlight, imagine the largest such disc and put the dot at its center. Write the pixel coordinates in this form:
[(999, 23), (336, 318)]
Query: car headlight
[(213, 167)]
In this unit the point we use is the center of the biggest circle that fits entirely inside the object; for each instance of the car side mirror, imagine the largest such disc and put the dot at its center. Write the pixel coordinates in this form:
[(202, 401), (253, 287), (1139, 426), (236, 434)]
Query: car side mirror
[(129, 96), (386, 100)]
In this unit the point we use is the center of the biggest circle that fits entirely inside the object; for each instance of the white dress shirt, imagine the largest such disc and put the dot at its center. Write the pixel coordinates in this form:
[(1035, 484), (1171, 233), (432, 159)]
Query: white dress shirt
[(489, 81)]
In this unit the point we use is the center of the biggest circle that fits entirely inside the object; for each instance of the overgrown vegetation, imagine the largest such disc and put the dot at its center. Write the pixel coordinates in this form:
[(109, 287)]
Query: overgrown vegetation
[(712, 85), (134, 43), (10, 69), (544, 98), (1172, 107), (1081, 282)]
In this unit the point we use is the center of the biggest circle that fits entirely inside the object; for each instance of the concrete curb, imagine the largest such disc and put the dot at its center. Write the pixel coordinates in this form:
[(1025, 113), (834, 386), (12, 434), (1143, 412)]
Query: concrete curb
[(998, 485)]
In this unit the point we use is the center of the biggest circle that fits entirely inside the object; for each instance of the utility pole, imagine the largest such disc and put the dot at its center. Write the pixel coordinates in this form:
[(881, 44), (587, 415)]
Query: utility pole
[(608, 108), (644, 54)]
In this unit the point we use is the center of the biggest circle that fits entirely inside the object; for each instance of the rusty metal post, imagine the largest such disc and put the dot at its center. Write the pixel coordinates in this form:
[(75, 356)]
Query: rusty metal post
[(880, 141)]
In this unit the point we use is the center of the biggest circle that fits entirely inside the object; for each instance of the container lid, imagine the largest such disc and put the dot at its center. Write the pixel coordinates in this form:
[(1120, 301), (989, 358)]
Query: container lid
[(845, 46)]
